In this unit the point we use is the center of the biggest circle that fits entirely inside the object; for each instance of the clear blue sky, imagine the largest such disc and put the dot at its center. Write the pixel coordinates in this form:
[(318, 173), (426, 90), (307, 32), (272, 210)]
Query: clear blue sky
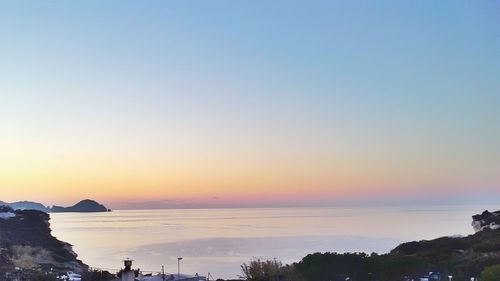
[(230, 99)]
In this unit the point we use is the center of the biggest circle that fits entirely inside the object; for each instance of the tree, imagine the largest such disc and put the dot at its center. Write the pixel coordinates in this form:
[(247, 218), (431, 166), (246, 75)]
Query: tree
[(259, 270), (491, 273), (97, 275)]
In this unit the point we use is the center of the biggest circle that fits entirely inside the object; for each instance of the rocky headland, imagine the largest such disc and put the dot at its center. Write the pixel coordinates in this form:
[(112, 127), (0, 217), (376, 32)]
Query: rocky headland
[(26, 242), (486, 220)]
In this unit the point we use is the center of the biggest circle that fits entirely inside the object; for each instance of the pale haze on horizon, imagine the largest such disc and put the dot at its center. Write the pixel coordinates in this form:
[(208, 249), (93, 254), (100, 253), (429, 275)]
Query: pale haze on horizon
[(251, 103)]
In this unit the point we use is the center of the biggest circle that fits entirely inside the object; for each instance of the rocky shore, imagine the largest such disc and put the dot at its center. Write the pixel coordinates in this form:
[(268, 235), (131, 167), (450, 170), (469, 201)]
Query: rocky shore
[(486, 220)]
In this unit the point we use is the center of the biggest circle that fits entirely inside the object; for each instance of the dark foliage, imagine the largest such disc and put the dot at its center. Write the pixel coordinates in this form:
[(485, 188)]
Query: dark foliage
[(461, 257), (31, 228), (97, 275), (491, 273)]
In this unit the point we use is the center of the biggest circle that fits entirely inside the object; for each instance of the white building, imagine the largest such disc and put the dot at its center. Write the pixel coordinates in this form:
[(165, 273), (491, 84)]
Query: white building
[(73, 276)]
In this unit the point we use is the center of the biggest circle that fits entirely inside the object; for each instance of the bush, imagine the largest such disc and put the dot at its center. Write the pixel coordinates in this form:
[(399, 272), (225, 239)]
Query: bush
[(491, 273), (29, 257), (259, 270)]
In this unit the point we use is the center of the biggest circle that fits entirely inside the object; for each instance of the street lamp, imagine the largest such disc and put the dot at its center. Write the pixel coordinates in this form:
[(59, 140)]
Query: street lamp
[(179, 268)]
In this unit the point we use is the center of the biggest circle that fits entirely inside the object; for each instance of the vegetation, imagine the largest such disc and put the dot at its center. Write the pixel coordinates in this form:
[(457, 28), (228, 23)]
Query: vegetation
[(461, 257), (97, 275), (491, 273), (26, 243), (259, 270), (29, 257), (335, 266), (30, 274)]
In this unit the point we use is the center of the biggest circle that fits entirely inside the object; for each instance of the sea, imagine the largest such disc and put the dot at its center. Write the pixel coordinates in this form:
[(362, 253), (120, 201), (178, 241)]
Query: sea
[(219, 241)]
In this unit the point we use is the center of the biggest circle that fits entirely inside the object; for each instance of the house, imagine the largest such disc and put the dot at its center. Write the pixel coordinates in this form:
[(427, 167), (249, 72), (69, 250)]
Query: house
[(73, 276)]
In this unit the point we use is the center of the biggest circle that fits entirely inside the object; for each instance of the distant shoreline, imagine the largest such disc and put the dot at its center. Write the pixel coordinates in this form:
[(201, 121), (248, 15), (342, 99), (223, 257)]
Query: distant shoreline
[(492, 205), (84, 206)]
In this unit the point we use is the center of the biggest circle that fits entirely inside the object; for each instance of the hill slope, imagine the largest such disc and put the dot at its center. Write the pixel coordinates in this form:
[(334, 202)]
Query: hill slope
[(26, 241), (463, 258)]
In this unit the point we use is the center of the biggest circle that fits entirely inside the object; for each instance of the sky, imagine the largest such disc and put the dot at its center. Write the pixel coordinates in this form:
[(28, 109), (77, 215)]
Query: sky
[(143, 104)]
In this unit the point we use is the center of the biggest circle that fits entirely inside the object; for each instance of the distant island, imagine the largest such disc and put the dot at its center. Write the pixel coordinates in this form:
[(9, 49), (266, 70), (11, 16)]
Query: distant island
[(84, 206)]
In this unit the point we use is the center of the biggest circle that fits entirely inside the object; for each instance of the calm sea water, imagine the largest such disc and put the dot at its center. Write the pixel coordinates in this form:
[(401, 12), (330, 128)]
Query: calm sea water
[(220, 240)]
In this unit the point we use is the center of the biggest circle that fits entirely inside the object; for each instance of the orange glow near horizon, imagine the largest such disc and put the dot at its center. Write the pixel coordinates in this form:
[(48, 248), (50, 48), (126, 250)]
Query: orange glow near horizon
[(119, 172), (126, 176)]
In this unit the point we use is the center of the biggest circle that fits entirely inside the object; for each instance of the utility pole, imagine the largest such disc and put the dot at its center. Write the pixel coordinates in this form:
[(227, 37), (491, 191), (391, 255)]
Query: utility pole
[(179, 268), (163, 272)]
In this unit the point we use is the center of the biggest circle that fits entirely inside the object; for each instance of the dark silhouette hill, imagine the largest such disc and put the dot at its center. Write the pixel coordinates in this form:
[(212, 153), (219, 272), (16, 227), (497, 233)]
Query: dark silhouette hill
[(26, 241), (85, 206), (26, 205), (459, 257)]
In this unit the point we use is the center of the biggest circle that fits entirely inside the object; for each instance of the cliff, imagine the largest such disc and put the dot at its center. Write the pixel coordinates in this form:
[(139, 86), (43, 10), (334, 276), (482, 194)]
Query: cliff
[(26, 241), (486, 220)]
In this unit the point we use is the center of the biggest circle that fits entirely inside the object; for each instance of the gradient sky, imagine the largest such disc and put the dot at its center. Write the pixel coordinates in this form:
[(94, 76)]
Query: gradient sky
[(154, 103)]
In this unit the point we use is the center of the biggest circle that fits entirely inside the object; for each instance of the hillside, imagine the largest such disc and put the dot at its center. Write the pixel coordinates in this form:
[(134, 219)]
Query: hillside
[(26, 242), (465, 256), (462, 258)]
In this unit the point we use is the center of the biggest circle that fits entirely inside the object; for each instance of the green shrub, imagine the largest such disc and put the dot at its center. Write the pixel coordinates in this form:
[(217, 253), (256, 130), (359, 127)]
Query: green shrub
[(491, 273)]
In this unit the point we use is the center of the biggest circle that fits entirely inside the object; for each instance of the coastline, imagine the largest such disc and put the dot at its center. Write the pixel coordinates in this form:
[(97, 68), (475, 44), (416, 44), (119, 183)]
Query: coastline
[(248, 232)]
